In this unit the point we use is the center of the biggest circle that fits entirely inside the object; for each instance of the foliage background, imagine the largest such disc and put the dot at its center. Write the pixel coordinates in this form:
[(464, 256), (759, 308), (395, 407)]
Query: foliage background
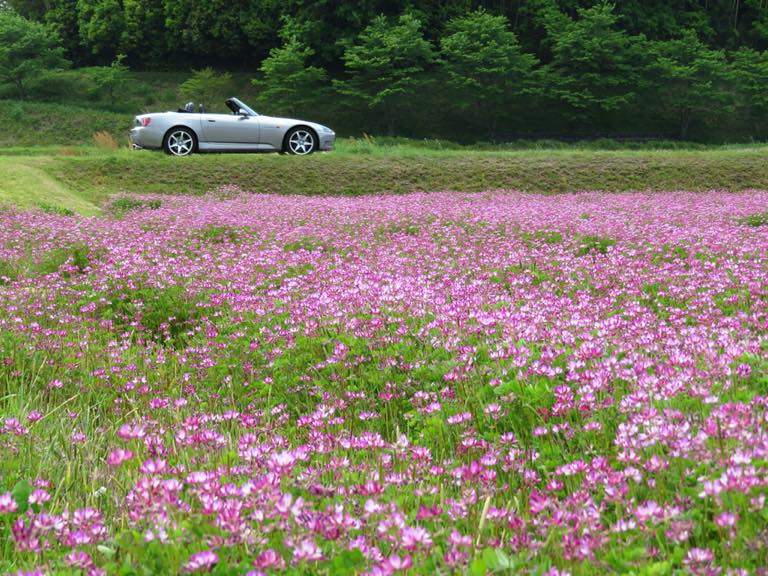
[(459, 69)]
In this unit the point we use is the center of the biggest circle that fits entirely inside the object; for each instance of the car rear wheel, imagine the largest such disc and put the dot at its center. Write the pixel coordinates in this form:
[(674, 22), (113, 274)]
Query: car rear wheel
[(300, 141), (179, 142)]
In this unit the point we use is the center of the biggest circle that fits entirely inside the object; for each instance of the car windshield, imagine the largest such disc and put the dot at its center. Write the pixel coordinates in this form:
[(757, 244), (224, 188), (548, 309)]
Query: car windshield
[(236, 105)]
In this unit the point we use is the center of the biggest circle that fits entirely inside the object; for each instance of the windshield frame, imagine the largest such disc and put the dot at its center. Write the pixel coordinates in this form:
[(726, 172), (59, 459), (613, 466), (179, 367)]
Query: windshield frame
[(236, 105)]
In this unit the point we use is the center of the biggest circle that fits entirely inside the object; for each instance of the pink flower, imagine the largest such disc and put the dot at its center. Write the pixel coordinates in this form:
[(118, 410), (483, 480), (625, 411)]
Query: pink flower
[(458, 540), (117, 457), (204, 560), (726, 519), (78, 559), (281, 462), (744, 370), (269, 559), (697, 556), (7, 503), (459, 418), (413, 537), (395, 563), (39, 496), (307, 551), (152, 467)]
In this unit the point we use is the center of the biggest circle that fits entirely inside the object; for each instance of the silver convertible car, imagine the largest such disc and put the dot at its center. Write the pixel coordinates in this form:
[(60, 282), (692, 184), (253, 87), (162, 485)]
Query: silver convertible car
[(243, 130)]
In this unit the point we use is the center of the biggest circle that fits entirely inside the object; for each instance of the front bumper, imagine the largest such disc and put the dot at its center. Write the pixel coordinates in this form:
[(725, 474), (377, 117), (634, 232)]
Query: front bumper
[(327, 141)]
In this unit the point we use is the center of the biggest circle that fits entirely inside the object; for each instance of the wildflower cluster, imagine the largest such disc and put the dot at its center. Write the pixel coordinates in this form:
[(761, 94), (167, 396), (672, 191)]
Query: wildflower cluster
[(423, 384)]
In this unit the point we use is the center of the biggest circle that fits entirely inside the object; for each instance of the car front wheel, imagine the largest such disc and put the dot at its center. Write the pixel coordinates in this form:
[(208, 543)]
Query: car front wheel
[(180, 142), (300, 141)]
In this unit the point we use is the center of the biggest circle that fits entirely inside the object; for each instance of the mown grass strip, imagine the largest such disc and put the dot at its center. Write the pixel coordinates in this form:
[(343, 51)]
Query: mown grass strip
[(79, 182), (407, 171)]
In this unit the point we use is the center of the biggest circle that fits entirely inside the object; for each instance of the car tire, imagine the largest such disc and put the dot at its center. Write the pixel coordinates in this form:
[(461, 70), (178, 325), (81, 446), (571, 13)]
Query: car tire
[(180, 141), (300, 141)]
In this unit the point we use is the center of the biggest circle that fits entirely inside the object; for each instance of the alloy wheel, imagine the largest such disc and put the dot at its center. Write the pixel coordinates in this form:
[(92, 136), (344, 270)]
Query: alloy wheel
[(180, 143), (301, 142)]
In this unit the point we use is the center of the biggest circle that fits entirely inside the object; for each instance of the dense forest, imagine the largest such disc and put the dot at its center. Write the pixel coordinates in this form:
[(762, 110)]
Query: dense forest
[(461, 69)]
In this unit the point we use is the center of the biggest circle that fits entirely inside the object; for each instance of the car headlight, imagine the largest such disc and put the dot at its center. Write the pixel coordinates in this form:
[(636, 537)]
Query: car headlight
[(326, 130)]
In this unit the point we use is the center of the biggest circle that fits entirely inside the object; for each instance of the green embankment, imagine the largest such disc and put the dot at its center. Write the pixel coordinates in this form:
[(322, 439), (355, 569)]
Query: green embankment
[(42, 123), (24, 183), (82, 181)]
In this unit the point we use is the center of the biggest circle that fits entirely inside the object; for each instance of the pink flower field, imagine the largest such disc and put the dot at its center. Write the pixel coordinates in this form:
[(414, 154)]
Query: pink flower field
[(445, 383)]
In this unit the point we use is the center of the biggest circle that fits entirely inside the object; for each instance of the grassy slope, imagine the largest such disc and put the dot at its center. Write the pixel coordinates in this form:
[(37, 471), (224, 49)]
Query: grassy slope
[(25, 184), (84, 180), (31, 124)]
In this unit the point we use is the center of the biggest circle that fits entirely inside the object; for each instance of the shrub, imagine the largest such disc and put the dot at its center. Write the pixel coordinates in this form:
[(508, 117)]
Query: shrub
[(759, 219), (127, 203), (206, 86), (165, 313), (591, 243), (218, 234), (79, 256), (308, 243), (8, 272), (59, 86), (51, 209)]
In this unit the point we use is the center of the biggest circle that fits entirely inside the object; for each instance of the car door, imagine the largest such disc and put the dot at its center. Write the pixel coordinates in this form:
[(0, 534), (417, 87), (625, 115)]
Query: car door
[(272, 131), (230, 129)]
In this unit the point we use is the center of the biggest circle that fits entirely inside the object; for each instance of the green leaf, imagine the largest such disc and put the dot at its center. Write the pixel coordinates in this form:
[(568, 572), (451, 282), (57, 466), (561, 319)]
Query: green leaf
[(478, 567), (656, 569), (20, 493), (348, 562), (105, 550), (490, 559), (497, 560)]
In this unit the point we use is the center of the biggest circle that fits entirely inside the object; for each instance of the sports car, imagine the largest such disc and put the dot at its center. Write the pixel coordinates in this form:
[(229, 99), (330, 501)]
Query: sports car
[(188, 130)]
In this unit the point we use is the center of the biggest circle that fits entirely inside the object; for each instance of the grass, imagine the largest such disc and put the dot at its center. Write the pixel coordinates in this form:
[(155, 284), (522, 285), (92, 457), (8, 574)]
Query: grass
[(82, 178), (41, 123), (26, 184)]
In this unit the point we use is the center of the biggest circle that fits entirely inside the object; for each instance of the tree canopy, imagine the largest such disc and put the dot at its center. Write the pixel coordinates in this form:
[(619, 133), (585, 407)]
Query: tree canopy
[(485, 65), (26, 50), (387, 64), (673, 67)]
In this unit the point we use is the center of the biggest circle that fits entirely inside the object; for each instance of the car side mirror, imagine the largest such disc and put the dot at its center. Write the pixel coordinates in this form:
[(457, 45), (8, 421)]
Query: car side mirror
[(242, 112)]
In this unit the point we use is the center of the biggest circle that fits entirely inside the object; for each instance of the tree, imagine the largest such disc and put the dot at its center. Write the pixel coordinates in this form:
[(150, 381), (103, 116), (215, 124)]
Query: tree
[(692, 81), (27, 49), (144, 38), (595, 66), (750, 71), (61, 17), (108, 80), (386, 65), (225, 33), (342, 20), (486, 67), (287, 84), (101, 24), (30, 9), (206, 86)]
